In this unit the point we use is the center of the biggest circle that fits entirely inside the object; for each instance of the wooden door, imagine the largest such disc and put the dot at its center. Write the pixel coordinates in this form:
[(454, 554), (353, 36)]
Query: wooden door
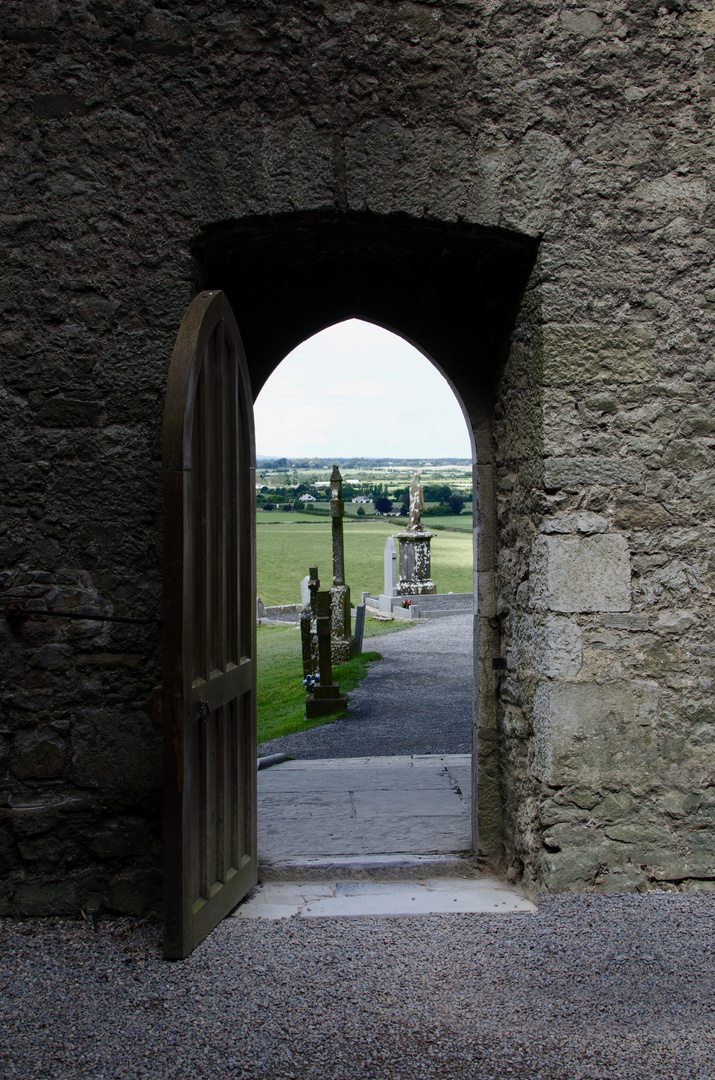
[(208, 700)]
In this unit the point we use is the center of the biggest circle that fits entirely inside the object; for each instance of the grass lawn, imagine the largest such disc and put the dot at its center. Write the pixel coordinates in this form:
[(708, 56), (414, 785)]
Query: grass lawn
[(285, 551), (281, 696), (280, 517), (450, 521)]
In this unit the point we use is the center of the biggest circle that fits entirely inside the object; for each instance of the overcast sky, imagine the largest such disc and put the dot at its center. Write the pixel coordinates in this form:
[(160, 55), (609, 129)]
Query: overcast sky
[(358, 390)]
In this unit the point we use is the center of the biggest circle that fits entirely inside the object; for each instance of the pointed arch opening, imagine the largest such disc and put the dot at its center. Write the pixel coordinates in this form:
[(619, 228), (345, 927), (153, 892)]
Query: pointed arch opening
[(453, 289)]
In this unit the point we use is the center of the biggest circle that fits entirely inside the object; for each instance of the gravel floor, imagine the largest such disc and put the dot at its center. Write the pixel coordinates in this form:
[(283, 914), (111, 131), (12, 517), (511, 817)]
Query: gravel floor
[(590, 987), (416, 700)]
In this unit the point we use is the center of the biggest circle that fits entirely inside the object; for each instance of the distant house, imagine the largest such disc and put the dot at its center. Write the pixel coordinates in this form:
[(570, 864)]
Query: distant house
[(362, 498), (307, 498)]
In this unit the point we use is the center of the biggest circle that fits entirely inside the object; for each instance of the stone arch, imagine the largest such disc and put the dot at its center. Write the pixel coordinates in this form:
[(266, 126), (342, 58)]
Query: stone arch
[(454, 291)]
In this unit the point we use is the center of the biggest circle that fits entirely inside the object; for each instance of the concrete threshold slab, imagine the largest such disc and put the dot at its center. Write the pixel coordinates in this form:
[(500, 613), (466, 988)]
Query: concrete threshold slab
[(350, 899)]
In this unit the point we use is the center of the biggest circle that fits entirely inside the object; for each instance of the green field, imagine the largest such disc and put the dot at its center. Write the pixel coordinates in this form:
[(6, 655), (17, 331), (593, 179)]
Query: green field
[(281, 696), (277, 517), (285, 550), (463, 521)]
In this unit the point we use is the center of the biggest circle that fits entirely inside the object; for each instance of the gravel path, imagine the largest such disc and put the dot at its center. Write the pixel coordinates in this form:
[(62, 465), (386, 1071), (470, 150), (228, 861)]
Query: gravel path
[(609, 987), (416, 700)]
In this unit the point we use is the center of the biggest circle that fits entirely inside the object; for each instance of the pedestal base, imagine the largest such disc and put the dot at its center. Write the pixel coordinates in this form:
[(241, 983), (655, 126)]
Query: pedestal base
[(342, 642), (342, 649), (315, 707), (415, 567), (416, 588)]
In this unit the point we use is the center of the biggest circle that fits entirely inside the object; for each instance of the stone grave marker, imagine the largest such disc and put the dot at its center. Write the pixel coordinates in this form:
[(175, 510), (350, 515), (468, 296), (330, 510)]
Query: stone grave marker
[(325, 698), (359, 626), (390, 567)]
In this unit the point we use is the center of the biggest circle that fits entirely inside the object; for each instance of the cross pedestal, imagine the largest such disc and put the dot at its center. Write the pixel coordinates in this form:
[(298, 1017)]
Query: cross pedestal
[(415, 563)]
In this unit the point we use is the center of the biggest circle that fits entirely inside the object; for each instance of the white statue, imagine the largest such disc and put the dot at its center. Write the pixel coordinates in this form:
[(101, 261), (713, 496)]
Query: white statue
[(417, 502)]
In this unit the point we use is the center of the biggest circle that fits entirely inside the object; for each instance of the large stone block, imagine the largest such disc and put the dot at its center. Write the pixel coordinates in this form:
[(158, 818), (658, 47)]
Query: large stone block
[(580, 573), (550, 644), (594, 734), (562, 423), (589, 355), (569, 472), (598, 867), (113, 752), (673, 192), (39, 755)]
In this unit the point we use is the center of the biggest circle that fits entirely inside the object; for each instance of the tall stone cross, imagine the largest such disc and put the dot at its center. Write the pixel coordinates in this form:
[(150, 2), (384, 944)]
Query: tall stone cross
[(337, 512), (343, 642)]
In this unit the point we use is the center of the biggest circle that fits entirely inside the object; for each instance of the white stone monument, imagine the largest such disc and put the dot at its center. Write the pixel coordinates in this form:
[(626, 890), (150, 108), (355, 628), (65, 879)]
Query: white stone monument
[(390, 581), (415, 579)]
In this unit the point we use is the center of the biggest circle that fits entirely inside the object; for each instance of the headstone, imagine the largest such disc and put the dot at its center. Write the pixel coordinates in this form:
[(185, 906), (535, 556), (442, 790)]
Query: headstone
[(313, 587), (306, 643), (305, 591), (359, 626), (390, 566), (308, 625), (343, 642)]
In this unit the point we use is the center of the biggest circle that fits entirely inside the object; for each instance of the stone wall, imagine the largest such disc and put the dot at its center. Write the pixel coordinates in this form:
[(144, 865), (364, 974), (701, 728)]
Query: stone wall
[(416, 155), (606, 706)]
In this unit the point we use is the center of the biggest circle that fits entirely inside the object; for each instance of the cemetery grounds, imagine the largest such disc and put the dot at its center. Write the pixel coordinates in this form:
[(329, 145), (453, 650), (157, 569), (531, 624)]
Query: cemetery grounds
[(289, 542)]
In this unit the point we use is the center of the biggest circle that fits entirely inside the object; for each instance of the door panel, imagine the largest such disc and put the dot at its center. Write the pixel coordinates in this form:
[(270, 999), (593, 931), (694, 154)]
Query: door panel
[(209, 703)]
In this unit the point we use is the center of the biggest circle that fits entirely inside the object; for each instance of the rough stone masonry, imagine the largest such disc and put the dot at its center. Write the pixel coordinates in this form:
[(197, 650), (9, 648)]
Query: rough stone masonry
[(521, 187)]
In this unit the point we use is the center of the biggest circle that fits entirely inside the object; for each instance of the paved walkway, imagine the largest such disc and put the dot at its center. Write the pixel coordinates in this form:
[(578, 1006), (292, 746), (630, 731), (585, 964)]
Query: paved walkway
[(416, 700), (364, 807), (380, 795)]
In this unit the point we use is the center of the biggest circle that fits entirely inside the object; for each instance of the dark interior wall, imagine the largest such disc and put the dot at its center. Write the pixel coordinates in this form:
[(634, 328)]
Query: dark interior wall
[(451, 288)]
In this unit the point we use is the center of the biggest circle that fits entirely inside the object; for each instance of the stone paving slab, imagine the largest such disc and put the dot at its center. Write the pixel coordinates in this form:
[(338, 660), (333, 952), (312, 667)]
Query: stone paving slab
[(364, 807), (347, 899)]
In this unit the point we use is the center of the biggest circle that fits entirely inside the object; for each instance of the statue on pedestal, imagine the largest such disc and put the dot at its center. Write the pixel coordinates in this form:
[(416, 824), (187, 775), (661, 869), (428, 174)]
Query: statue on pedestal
[(415, 579)]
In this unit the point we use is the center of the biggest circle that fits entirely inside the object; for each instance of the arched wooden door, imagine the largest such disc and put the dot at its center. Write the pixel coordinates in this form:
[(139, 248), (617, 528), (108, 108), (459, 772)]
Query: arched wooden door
[(209, 704)]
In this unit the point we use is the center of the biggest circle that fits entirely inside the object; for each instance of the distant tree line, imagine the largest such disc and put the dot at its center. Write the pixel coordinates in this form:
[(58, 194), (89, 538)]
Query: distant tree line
[(440, 498), (283, 463)]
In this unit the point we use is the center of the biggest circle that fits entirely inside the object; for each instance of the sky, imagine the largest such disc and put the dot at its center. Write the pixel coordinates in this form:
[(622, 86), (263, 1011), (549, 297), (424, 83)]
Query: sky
[(357, 390)]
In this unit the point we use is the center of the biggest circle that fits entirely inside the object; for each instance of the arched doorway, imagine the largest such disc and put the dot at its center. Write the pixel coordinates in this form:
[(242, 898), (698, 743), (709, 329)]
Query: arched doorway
[(356, 789), (451, 289)]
